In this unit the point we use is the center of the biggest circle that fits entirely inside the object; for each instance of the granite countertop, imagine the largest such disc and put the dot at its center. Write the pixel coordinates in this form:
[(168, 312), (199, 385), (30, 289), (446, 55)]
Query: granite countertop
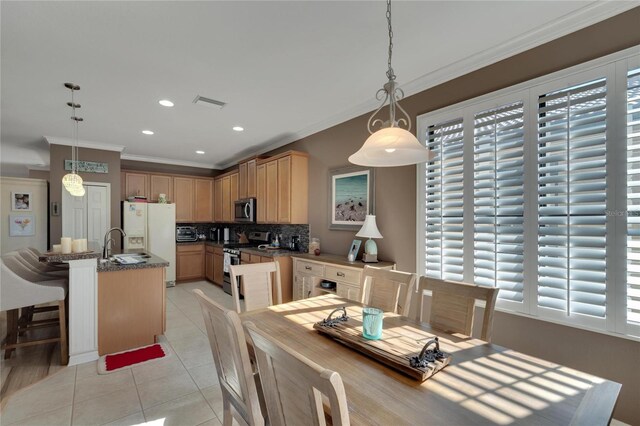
[(341, 260), (59, 257), (268, 253), (188, 243), (152, 262)]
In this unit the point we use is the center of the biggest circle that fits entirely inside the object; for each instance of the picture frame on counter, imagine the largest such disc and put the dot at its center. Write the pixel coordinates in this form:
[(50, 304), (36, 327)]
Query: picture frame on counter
[(354, 248), (21, 201), (351, 197)]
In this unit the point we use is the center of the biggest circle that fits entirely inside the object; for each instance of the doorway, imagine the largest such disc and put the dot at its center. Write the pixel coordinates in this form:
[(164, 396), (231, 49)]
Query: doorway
[(87, 216)]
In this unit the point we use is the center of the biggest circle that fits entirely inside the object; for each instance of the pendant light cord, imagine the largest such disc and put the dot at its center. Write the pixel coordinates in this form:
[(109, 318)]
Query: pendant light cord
[(390, 74)]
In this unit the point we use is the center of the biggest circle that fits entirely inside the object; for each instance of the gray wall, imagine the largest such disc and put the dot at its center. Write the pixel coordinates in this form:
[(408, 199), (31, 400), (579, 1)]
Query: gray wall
[(610, 357)]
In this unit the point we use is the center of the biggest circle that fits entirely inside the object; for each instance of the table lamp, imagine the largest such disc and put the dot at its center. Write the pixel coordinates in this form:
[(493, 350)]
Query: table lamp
[(370, 230)]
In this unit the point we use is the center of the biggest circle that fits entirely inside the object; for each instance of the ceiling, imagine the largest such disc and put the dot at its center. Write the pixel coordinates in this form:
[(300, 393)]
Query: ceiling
[(285, 69)]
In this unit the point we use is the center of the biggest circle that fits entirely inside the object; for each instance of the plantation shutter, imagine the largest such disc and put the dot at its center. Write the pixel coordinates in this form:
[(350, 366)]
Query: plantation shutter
[(572, 199), (633, 197), (444, 183), (499, 199)]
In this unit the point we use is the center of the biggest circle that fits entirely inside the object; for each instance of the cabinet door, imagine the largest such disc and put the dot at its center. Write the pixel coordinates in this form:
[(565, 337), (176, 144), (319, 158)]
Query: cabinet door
[(251, 179), (190, 266), (203, 207), (136, 184), (261, 193), (208, 266), (159, 184), (217, 204), (272, 192), (297, 286), (226, 199), (242, 180), (234, 192), (218, 268), (347, 291), (284, 190), (183, 188)]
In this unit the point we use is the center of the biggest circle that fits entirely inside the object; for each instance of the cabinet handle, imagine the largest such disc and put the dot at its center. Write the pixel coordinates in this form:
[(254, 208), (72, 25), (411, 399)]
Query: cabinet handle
[(308, 268), (340, 274)]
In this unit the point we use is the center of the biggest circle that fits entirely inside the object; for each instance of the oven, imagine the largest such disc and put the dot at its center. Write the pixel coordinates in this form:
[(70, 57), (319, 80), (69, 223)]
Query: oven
[(244, 210), (231, 257)]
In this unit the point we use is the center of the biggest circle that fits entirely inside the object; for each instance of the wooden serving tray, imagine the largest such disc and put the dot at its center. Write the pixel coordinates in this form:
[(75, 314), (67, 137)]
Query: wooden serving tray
[(50, 253), (394, 351)]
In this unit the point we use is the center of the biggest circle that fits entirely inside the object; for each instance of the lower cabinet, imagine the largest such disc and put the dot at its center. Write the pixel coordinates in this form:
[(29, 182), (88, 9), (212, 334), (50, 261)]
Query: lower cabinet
[(190, 262), (284, 263), (218, 266), (208, 263)]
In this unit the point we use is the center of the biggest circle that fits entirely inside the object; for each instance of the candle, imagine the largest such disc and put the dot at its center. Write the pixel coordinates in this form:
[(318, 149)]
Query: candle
[(76, 246), (57, 248), (84, 244), (65, 242)]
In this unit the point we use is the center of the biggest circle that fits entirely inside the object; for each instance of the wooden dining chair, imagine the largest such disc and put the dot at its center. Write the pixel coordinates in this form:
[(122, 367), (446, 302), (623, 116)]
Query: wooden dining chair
[(294, 386), (453, 305), (229, 348), (257, 282), (381, 288)]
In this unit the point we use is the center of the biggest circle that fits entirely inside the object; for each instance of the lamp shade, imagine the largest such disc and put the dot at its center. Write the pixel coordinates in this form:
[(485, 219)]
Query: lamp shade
[(389, 147), (369, 229)]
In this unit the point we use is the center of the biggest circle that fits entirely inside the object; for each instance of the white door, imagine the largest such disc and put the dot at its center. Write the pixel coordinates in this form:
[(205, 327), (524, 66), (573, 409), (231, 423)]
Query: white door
[(87, 216)]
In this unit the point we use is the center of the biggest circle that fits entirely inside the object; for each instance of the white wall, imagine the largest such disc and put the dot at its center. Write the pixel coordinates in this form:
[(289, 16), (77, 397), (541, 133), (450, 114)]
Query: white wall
[(38, 203)]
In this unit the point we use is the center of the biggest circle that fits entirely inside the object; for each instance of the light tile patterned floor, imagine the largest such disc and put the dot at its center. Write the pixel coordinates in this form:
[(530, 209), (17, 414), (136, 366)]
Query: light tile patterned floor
[(179, 390)]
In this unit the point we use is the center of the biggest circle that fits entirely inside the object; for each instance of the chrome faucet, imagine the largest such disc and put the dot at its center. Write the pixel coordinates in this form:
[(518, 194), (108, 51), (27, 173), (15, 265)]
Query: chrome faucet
[(107, 241)]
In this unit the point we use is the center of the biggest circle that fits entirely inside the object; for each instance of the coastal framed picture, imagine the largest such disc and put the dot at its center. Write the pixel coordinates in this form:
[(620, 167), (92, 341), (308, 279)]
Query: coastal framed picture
[(351, 197), (21, 201)]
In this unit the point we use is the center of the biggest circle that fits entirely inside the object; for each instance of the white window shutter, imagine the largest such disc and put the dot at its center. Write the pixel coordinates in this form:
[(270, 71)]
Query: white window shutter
[(633, 197), (572, 132), (444, 205)]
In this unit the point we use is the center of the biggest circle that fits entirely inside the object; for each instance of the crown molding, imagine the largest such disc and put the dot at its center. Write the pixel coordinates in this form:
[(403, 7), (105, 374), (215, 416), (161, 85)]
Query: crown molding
[(54, 140), (591, 14), (161, 160)]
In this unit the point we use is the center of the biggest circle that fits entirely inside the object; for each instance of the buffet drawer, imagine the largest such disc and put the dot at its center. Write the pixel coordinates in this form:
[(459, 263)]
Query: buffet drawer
[(310, 268), (342, 274)]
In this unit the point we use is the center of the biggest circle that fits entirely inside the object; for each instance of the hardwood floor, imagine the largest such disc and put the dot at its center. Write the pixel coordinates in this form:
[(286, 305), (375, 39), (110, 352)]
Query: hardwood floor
[(30, 364)]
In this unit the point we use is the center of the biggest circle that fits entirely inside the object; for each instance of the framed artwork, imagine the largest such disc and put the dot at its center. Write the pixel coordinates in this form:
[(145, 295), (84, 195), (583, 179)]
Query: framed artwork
[(21, 201), (22, 225), (351, 197)]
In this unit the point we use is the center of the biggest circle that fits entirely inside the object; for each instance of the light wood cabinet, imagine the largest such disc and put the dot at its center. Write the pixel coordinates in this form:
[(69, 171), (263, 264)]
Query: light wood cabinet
[(285, 264), (272, 192), (218, 266), (190, 263), (234, 193), (208, 262), (286, 187), (284, 190), (217, 204), (135, 184), (226, 199), (251, 178), (261, 193), (160, 184), (242, 180), (203, 200), (184, 194)]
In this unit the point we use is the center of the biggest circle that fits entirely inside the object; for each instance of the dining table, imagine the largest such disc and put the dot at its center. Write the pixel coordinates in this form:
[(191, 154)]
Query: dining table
[(483, 384)]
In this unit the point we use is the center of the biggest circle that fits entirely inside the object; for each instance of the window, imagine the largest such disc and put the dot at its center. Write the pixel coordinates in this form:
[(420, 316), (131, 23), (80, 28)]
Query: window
[(526, 193)]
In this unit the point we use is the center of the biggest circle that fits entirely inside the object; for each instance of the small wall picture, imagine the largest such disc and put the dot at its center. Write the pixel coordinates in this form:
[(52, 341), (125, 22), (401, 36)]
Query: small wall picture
[(351, 190), (22, 225), (21, 201), (353, 250)]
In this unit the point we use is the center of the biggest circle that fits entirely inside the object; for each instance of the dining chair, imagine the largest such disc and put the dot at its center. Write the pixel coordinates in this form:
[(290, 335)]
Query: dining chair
[(256, 281), (381, 288), (453, 305), (233, 366), (294, 386)]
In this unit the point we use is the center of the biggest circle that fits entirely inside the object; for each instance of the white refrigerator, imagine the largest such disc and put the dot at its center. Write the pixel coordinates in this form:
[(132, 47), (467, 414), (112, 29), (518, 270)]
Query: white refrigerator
[(152, 227)]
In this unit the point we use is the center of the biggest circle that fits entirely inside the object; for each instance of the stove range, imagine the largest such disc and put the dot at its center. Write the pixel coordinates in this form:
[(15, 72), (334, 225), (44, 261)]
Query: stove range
[(232, 255)]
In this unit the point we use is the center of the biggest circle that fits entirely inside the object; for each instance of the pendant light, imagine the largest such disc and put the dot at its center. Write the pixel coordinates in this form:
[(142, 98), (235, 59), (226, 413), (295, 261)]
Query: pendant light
[(72, 181), (391, 145)]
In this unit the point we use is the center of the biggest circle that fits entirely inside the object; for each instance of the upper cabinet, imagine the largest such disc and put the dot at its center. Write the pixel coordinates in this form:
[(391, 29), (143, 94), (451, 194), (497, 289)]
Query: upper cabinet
[(217, 201), (282, 188), (227, 189), (242, 180), (226, 199), (135, 184), (251, 179), (160, 184), (203, 200), (184, 199)]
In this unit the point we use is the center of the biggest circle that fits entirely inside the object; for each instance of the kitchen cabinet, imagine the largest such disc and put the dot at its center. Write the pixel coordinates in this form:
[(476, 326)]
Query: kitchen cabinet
[(234, 193), (251, 178), (203, 200), (190, 262), (160, 184), (309, 271), (242, 180), (218, 266), (208, 263), (217, 203), (285, 183), (184, 194), (226, 199), (261, 193), (135, 184)]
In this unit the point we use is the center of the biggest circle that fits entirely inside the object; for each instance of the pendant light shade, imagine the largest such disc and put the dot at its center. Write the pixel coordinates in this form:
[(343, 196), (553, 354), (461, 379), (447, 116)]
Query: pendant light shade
[(72, 181), (76, 191), (390, 147)]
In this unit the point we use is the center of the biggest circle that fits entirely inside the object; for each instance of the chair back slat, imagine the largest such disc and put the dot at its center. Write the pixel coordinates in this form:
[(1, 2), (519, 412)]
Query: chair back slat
[(231, 357), (453, 305), (382, 288), (287, 377), (257, 281)]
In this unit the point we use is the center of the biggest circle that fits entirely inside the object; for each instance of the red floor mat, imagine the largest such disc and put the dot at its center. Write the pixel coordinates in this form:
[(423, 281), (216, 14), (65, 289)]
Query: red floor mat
[(136, 356)]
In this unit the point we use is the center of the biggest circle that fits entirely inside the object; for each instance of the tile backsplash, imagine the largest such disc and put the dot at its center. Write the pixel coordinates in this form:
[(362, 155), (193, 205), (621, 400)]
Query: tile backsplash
[(287, 231)]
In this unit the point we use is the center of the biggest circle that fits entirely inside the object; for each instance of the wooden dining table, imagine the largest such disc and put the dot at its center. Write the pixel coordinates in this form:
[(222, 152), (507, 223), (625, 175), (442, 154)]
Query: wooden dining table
[(483, 384)]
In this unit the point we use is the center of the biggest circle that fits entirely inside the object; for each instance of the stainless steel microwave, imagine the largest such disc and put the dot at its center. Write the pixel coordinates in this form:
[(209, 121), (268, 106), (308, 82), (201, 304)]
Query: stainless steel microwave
[(245, 210)]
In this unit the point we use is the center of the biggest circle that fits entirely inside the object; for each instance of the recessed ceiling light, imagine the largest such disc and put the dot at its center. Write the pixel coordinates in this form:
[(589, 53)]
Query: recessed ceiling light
[(200, 152), (147, 132), (238, 128), (166, 102)]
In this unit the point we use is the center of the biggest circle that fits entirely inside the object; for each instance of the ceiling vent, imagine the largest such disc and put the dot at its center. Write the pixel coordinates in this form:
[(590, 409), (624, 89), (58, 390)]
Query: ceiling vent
[(201, 100)]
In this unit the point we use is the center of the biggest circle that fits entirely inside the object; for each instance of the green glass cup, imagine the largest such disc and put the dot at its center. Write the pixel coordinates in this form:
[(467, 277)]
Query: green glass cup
[(372, 323)]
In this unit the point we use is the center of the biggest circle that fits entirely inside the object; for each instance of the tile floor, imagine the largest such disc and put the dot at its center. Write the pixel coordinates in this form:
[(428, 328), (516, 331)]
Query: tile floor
[(179, 390)]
